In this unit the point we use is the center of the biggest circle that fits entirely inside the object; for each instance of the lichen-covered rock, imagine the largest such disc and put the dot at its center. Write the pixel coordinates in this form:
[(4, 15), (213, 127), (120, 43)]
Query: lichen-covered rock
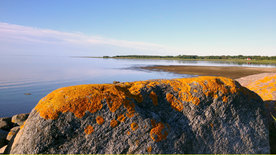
[(19, 119), (12, 132), (5, 123), (193, 115), (265, 85)]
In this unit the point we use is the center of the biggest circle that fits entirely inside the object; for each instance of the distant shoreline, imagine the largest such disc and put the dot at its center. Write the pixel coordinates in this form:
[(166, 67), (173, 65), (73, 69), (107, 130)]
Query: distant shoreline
[(271, 60), (233, 72)]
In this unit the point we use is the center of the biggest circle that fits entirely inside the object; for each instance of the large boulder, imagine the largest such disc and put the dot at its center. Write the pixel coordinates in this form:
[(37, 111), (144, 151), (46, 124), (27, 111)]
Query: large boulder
[(193, 115), (265, 86)]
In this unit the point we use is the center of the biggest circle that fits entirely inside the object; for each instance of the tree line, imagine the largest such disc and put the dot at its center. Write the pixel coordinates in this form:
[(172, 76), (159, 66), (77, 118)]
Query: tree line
[(256, 57)]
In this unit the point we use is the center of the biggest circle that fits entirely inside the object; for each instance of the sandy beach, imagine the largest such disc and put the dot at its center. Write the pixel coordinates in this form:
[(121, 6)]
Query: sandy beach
[(231, 72)]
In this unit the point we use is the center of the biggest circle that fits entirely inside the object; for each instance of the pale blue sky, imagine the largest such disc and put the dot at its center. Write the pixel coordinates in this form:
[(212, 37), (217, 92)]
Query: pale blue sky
[(159, 27)]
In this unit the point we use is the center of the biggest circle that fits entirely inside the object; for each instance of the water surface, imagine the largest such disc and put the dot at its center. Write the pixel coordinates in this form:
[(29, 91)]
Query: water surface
[(24, 80)]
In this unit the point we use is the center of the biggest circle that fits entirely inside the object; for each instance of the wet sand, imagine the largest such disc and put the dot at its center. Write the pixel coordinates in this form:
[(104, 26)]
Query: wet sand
[(233, 72)]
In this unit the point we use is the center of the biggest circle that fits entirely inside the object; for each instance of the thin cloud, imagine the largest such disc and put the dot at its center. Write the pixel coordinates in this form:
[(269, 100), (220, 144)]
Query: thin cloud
[(17, 39), (12, 32)]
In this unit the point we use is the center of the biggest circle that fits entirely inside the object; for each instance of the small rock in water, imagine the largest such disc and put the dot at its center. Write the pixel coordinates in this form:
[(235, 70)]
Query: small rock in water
[(20, 118), (12, 132), (115, 82), (27, 94), (2, 149)]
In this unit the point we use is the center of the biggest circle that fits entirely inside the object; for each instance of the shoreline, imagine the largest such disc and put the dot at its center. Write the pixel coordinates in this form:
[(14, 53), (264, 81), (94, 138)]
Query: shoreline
[(233, 72), (235, 61)]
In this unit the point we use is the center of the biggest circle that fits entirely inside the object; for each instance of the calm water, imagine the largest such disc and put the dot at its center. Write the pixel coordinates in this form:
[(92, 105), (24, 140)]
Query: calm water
[(39, 75)]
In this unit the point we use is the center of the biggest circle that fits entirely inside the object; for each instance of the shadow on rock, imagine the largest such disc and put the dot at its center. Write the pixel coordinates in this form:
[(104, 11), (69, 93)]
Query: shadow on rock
[(271, 109)]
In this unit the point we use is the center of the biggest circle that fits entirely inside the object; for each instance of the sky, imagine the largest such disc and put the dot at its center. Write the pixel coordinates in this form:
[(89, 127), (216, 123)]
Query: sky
[(148, 27)]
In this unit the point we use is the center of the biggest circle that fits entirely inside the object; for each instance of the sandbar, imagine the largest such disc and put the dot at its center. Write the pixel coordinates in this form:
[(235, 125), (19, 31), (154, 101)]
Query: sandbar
[(233, 72)]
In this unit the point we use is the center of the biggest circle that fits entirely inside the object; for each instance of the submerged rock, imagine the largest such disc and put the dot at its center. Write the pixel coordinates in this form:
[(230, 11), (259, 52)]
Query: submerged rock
[(193, 115)]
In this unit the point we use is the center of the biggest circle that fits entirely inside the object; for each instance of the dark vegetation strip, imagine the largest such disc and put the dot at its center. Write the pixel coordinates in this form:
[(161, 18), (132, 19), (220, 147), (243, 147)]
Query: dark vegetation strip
[(238, 58)]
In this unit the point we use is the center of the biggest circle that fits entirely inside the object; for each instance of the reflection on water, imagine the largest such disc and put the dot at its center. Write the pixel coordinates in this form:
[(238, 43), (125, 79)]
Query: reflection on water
[(39, 75)]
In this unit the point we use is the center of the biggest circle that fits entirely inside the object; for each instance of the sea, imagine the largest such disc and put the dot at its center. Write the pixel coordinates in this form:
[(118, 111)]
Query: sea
[(25, 79)]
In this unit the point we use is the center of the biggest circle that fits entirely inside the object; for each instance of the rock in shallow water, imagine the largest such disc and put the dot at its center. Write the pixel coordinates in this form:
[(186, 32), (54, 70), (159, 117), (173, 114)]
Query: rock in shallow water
[(12, 133), (19, 119), (2, 149), (194, 115)]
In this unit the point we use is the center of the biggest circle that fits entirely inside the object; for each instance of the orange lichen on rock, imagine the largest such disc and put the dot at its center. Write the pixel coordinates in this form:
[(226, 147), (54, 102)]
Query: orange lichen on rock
[(128, 133), (266, 87), (212, 125), (134, 126), (75, 99), (134, 89), (83, 98), (225, 99), (130, 106), (158, 132), (113, 123), (21, 126), (121, 118), (149, 149), (100, 120), (89, 129), (210, 86), (11, 133), (215, 96), (175, 103), (154, 98)]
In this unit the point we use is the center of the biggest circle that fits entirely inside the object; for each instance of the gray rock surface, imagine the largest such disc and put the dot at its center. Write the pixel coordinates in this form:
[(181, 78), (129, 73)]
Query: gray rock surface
[(3, 135), (264, 85), (5, 123), (20, 118), (196, 115)]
